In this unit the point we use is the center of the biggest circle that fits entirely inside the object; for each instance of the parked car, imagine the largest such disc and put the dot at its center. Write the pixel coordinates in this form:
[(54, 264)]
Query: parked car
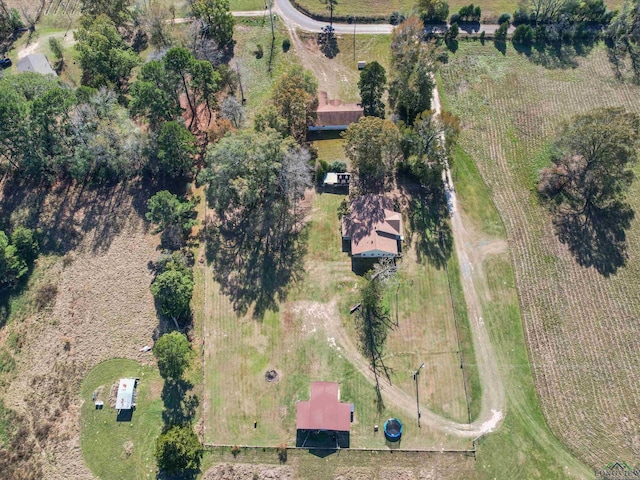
[(5, 63)]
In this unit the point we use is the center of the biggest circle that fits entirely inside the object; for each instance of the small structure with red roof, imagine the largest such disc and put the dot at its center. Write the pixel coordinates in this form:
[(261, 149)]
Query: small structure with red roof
[(324, 419)]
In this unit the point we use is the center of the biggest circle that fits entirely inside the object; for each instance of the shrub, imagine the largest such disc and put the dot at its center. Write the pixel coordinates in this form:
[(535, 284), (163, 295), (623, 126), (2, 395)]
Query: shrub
[(282, 453), (505, 17), (396, 18), (455, 18), (259, 52), (286, 45), (482, 35), (338, 166), (521, 16), (321, 171), (523, 35)]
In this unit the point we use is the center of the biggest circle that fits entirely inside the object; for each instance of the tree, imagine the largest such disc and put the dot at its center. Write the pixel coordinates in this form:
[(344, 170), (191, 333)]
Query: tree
[(373, 147), (217, 20), (16, 256), (34, 119), (117, 10), (588, 182), (174, 216), (155, 19), (232, 110), (523, 35), (413, 71), (172, 290), (296, 99), (105, 58), (623, 39), (26, 244), (543, 11), (372, 85), (107, 145), (173, 353), (433, 11), (501, 32), (10, 21), (155, 94), (176, 147), (55, 45), (268, 117), (331, 5), (178, 450)]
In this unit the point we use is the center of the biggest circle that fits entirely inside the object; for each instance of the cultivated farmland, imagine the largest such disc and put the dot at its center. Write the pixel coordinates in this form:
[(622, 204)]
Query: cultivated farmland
[(579, 324)]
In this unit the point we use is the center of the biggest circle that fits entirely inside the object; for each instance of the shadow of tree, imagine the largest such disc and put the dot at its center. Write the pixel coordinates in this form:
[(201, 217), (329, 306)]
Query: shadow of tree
[(255, 264), (67, 213), (428, 216), (179, 406), (597, 241), (328, 43), (557, 54)]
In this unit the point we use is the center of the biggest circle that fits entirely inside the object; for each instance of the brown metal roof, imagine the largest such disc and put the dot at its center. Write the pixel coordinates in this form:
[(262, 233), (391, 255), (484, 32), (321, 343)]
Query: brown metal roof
[(372, 225), (324, 411), (334, 112)]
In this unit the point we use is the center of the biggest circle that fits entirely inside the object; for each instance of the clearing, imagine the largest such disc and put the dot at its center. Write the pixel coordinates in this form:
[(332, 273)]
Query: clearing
[(579, 323)]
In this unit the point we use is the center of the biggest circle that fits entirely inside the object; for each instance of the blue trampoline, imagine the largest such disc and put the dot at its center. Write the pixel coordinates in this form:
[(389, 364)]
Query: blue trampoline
[(393, 429)]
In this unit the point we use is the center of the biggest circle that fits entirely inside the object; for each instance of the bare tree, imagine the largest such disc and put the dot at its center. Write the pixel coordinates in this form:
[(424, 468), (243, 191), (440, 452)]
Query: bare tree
[(232, 110)]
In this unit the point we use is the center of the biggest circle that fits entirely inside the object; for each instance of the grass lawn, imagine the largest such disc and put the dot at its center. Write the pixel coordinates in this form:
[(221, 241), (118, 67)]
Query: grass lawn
[(491, 9), (257, 81), (244, 5), (116, 450), (299, 341)]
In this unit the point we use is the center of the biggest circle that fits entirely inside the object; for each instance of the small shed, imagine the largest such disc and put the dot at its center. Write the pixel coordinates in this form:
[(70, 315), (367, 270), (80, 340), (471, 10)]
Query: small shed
[(361, 64), (335, 179), (126, 398), (36, 62)]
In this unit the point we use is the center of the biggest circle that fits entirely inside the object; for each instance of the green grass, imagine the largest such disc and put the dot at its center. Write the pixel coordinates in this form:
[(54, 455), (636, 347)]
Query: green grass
[(244, 5), (523, 447), (573, 316), (103, 438), (297, 344), (491, 9), (257, 81)]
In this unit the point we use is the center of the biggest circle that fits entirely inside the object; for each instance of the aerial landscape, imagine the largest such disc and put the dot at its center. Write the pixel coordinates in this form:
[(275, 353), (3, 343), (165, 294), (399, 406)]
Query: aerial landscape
[(319, 239)]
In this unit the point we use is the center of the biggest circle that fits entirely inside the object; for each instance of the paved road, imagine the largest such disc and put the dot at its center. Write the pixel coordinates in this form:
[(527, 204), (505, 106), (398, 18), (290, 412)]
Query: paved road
[(294, 18)]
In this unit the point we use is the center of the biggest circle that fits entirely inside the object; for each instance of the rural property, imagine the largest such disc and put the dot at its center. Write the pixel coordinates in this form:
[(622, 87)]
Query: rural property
[(319, 239)]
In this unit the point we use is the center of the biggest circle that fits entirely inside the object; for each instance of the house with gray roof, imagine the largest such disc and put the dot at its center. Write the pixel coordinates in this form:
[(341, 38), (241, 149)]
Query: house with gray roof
[(36, 62)]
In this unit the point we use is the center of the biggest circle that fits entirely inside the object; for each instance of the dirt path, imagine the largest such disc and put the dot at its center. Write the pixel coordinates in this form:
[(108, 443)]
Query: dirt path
[(37, 46)]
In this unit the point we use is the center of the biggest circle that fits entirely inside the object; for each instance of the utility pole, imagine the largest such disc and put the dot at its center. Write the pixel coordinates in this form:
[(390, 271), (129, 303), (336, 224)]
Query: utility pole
[(416, 376)]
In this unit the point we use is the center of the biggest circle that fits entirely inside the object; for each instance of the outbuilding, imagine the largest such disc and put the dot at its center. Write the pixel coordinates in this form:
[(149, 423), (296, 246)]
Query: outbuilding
[(126, 398), (323, 420), (36, 62)]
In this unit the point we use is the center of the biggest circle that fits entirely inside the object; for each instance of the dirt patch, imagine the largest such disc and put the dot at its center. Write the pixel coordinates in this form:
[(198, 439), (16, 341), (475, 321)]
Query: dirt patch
[(113, 395), (229, 471)]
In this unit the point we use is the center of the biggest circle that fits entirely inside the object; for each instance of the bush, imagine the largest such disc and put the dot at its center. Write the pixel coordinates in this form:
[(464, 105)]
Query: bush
[(523, 35), (396, 18), (455, 18), (505, 17), (453, 31), (321, 171), (282, 453), (501, 33), (338, 166), (259, 52), (521, 16), (286, 45)]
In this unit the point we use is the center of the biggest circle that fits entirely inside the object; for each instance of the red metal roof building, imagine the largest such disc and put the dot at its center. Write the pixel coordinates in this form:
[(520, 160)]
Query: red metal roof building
[(324, 411)]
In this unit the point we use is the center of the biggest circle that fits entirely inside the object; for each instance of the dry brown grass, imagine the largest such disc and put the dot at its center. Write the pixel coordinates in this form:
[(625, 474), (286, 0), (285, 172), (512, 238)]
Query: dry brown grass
[(103, 309), (580, 325)]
